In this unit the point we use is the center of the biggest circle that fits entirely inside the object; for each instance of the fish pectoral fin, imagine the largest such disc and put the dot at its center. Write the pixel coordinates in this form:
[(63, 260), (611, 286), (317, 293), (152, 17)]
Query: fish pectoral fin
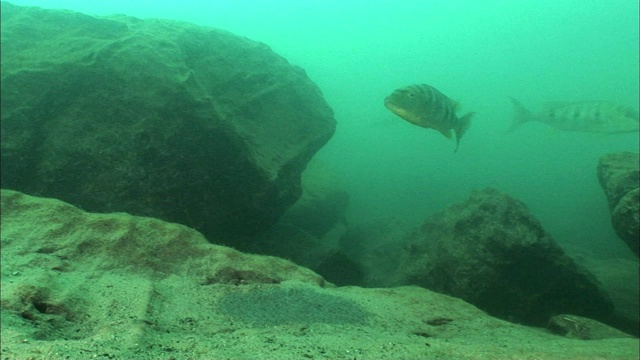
[(446, 133), (461, 127)]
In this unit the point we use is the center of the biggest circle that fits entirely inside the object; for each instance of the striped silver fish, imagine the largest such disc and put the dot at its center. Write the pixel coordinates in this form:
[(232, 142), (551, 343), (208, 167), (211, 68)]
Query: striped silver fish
[(426, 106), (584, 116)]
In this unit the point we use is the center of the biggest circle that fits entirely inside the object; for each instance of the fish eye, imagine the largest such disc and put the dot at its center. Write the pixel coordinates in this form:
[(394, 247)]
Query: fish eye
[(411, 94)]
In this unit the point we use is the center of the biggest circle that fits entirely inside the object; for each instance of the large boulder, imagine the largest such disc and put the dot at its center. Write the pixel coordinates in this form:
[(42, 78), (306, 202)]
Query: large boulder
[(158, 118), (618, 175), (491, 252)]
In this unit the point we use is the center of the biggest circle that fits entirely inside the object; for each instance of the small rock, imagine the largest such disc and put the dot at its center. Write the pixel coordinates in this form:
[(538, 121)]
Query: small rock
[(578, 327)]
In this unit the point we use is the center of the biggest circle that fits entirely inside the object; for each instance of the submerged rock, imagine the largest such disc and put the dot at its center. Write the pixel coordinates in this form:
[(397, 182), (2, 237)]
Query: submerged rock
[(619, 175), (157, 118), (491, 252)]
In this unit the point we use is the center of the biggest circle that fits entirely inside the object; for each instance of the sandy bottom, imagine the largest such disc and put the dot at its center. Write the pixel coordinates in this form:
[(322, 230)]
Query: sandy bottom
[(86, 286)]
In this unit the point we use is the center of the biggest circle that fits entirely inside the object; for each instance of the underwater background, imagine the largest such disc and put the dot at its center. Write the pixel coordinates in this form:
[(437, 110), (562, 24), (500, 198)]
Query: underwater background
[(478, 53)]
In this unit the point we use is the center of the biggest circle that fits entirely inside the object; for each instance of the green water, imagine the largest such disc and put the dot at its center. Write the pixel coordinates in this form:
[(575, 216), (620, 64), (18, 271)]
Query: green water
[(476, 52)]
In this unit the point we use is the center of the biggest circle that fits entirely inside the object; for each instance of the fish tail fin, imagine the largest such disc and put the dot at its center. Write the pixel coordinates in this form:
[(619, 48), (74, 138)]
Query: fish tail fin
[(461, 127), (521, 115)]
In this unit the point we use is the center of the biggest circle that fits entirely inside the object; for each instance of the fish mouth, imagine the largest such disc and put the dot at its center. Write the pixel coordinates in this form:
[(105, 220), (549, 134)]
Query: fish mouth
[(394, 108), (389, 104), (401, 112)]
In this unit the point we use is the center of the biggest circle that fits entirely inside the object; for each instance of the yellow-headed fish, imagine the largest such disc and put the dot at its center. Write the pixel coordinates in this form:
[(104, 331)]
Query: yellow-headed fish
[(426, 106), (584, 116)]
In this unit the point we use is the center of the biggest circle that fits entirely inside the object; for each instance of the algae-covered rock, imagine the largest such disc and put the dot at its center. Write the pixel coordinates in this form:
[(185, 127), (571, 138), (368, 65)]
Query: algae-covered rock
[(157, 118), (625, 219), (619, 175), (491, 252)]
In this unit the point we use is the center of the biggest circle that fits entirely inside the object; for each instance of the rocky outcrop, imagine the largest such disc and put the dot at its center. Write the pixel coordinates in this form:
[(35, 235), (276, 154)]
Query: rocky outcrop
[(618, 175), (491, 252), (48, 234), (77, 285), (157, 118)]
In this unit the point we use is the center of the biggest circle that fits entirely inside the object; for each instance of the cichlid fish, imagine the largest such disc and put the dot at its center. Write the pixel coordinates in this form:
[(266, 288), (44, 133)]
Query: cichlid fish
[(585, 116), (426, 106)]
